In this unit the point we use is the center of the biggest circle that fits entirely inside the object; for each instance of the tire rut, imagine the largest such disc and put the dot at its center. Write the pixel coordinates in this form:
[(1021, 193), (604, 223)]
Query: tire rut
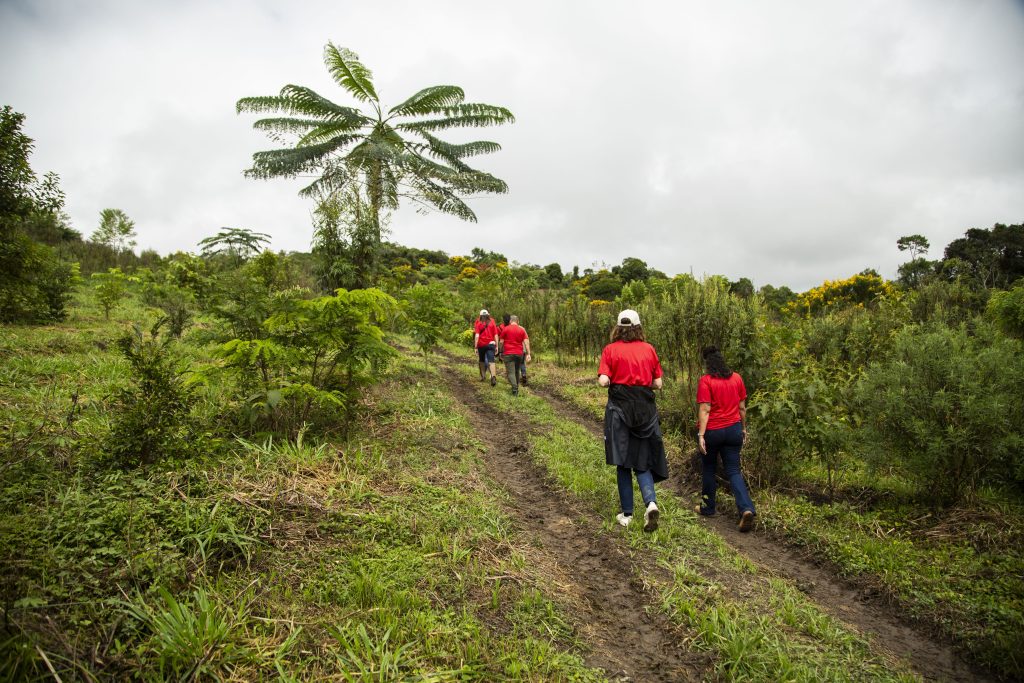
[(626, 640), (864, 610)]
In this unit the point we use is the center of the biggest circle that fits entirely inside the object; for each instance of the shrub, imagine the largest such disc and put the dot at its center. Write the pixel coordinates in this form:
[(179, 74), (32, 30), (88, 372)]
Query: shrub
[(312, 358), (111, 287), (1007, 309), (945, 410), (175, 302), (152, 416), (35, 285), (430, 314)]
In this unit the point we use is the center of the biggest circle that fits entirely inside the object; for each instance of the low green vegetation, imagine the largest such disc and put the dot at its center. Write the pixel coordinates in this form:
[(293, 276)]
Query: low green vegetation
[(255, 557), (960, 570), (759, 628)]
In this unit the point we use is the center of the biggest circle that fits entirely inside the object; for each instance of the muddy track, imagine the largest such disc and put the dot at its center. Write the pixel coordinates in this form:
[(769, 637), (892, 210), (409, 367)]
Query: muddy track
[(863, 609), (629, 642)]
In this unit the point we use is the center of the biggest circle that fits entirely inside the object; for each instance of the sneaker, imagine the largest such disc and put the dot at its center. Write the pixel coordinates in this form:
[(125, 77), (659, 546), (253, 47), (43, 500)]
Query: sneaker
[(651, 517), (623, 519), (494, 380), (523, 380), (746, 521), (697, 511)]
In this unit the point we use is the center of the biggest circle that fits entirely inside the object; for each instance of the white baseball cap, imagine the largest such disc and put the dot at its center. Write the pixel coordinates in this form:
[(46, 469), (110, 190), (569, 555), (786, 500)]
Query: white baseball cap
[(628, 318), (483, 312)]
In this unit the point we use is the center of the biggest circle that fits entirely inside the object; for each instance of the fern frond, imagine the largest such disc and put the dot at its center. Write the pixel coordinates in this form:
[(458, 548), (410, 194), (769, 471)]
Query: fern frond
[(349, 72), (442, 198), (305, 100), (458, 121), (429, 100), (293, 161)]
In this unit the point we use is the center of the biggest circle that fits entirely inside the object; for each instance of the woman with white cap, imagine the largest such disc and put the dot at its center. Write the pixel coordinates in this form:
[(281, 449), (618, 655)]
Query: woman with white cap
[(485, 339), (632, 434)]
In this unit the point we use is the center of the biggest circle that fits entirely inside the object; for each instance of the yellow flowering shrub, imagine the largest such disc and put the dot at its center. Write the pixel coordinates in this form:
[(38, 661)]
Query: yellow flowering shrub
[(858, 290)]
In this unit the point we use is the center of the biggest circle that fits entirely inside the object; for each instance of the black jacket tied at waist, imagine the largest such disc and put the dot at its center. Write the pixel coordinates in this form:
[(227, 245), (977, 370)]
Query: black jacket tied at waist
[(632, 433)]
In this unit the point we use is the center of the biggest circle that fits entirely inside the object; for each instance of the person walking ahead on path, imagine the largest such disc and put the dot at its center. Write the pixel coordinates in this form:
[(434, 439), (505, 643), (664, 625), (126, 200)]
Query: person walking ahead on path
[(721, 429), (522, 368), (486, 342), (515, 348), (632, 434)]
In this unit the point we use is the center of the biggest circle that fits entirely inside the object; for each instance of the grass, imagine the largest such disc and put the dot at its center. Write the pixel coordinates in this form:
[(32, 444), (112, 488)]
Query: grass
[(959, 571), (759, 627), (383, 557)]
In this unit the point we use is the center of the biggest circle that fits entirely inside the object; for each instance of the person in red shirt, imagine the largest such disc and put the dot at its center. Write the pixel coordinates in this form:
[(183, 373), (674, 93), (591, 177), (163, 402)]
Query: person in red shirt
[(721, 430), (515, 347), (632, 433), (522, 367), (485, 339)]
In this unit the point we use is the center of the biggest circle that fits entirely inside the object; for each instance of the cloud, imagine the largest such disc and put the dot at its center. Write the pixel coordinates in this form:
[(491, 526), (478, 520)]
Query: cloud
[(789, 143)]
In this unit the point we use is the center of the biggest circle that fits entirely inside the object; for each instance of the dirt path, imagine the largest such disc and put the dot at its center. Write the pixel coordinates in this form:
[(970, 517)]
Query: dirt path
[(627, 641), (859, 608)]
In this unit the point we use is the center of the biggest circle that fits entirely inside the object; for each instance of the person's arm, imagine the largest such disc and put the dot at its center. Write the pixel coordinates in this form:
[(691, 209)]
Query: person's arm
[(526, 347), (703, 412), (743, 418), (656, 383), (604, 380)]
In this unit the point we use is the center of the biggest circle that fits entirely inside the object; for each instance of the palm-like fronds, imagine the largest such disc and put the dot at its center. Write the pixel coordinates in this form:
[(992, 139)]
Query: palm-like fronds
[(349, 72), (389, 155)]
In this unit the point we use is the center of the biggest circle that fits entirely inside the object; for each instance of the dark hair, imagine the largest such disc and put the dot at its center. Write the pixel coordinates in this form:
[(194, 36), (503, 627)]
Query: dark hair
[(627, 333), (506, 319), (715, 363)]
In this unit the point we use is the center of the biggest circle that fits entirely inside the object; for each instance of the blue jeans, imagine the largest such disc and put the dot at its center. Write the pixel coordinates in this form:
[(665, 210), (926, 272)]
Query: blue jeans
[(644, 479), (726, 441)]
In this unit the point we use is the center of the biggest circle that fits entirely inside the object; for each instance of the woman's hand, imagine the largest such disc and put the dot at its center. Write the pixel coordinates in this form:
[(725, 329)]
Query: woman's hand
[(700, 444)]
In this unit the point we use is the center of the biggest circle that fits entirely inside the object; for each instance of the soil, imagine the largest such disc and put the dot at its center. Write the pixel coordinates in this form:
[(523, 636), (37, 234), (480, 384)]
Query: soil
[(624, 632), (862, 608)]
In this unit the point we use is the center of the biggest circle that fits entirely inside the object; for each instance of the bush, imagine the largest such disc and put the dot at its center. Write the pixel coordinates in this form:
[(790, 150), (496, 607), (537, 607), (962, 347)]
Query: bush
[(1007, 309), (35, 285), (111, 287), (311, 358), (152, 416), (430, 314), (945, 410)]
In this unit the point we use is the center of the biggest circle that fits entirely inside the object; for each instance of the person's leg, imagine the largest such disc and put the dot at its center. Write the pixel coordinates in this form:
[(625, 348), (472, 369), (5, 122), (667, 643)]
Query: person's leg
[(489, 356), (511, 372), (481, 356), (709, 481), (646, 483), (625, 480), (731, 462), (522, 370)]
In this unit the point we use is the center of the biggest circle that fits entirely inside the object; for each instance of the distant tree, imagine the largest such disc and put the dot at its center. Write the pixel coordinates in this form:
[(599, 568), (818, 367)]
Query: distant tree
[(604, 286), (487, 257), (915, 244), (742, 288), (992, 258), (915, 272), (115, 230), (238, 244), (388, 153), (632, 269), (554, 274), (776, 298), (344, 242)]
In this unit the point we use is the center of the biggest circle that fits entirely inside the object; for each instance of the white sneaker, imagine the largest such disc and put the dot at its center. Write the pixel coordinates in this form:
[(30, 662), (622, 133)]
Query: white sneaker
[(623, 519), (651, 517)]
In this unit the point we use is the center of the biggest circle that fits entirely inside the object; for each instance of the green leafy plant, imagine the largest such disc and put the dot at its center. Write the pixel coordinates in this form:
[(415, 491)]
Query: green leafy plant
[(314, 358), (151, 416), (111, 287), (430, 315), (945, 410)]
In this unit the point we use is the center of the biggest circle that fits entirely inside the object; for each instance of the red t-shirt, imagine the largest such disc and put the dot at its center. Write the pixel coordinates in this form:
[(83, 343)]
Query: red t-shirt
[(724, 395), (635, 363), (513, 336), (487, 333)]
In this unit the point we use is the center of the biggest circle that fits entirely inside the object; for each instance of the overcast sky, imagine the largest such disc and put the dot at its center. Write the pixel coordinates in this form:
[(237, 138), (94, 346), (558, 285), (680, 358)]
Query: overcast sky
[(788, 142)]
